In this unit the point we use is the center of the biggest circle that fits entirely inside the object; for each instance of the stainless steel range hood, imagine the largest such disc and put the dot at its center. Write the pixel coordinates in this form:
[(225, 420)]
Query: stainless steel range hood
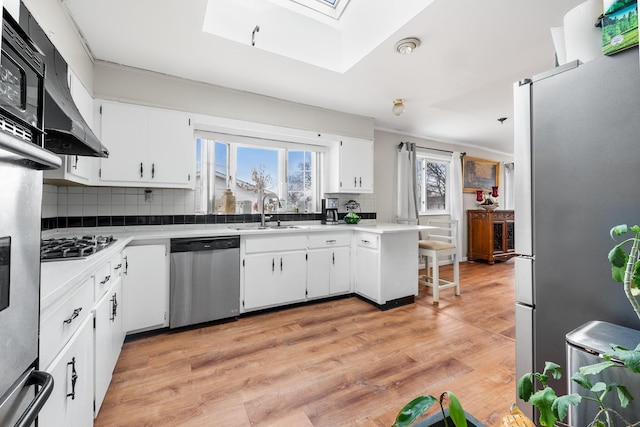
[(66, 131)]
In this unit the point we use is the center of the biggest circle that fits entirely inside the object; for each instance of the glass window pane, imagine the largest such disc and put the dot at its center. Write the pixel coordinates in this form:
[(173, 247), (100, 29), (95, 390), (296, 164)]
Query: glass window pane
[(300, 181), (432, 185), (256, 168), (220, 176), (436, 184), (200, 205)]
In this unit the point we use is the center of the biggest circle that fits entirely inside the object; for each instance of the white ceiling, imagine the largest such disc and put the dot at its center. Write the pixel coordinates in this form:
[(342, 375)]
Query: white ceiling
[(455, 85)]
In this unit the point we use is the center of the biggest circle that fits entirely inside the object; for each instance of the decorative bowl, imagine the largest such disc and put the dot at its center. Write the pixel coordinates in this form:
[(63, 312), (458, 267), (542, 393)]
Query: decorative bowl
[(489, 207), (351, 218)]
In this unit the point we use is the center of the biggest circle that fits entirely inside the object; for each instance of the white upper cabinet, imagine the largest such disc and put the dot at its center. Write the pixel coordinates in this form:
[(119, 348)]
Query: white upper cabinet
[(351, 166), (147, 146), (79, 169)]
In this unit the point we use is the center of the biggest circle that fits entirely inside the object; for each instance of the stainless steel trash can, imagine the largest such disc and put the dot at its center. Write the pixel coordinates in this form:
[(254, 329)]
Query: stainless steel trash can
[(585, 345)]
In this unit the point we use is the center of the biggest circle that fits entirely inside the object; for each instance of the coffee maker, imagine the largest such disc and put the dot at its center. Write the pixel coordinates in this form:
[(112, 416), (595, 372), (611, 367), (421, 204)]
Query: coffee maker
[(329, 211)]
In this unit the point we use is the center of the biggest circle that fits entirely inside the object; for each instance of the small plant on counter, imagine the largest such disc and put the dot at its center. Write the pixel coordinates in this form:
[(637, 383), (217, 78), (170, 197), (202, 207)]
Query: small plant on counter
[(421, 404)]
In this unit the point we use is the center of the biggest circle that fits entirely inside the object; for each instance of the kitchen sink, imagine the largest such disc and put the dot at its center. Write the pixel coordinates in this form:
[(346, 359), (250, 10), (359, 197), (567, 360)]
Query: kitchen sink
[(268, 227)]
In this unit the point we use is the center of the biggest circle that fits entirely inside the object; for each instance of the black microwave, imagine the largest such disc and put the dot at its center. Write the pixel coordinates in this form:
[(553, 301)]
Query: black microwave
[(21, 84)]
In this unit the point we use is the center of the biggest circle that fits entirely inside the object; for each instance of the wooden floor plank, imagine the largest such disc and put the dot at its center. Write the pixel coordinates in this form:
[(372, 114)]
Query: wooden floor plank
[(335, 363)]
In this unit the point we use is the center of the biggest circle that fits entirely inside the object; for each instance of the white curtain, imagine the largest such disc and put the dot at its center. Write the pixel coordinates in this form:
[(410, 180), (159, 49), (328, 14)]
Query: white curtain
[(407, 212), (509, 202), (456, 197)]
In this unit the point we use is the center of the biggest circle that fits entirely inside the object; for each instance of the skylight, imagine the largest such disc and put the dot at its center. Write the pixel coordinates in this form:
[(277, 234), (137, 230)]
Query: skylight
[(313, 31), (331, 8)]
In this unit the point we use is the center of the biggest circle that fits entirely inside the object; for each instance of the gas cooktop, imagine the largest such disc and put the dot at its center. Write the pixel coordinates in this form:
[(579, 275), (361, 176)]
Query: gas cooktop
[(67, 248)]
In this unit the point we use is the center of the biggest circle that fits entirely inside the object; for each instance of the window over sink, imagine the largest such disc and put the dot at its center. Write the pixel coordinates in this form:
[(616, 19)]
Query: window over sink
[(290, 170)]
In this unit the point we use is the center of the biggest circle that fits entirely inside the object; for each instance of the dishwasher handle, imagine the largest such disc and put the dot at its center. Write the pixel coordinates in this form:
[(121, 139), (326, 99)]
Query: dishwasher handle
[(204, 244)]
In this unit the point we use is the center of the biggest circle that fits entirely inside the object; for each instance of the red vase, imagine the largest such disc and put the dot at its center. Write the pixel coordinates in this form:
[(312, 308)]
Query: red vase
[(494, 192), (479, 197)]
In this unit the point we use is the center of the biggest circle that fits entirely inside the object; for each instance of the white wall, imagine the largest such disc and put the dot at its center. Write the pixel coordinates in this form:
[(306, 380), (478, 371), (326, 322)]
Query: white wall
[(126, 84)]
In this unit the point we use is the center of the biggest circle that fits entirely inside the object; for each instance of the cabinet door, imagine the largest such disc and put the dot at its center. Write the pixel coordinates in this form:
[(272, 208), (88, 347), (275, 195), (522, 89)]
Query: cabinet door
[(145, 287), (292, 281), (367, 275), (356, 165), (119, 331), (125, 134), (80, 168), (274, 279), (340, 270), (261, 275), (104, 342), (71, 401), (318, 272), (172, 154)]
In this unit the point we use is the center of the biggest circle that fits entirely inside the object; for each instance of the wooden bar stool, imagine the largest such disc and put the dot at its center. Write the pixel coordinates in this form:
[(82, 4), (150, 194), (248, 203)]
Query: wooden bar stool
[(439, 242)]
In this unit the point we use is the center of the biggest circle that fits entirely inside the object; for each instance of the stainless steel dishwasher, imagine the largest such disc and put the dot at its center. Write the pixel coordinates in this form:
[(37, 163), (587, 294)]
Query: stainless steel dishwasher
[(205, 280)]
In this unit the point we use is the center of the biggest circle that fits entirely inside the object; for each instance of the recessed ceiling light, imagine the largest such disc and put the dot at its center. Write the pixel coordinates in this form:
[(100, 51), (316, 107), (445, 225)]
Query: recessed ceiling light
[(406, 46)]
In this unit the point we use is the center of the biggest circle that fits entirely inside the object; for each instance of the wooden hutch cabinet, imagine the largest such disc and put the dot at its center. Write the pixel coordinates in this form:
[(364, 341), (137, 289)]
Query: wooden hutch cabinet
[(490, 235)]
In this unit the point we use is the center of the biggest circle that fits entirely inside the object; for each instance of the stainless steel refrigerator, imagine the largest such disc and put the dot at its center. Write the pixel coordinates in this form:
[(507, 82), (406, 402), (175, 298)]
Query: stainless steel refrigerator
[(577, 174)]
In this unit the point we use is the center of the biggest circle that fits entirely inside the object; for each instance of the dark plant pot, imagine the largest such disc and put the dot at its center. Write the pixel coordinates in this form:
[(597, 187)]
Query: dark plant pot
[(436, 420)]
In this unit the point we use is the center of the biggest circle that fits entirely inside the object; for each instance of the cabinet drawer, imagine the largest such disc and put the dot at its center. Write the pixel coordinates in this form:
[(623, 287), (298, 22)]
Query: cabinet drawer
[(58, 323), (280, 243), (367, 240), (323, 240), (103, 280)]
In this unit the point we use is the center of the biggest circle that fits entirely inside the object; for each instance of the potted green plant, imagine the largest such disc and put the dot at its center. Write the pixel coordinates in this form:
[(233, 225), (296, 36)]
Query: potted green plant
[(454, 413), (554, 408), (625, 268)]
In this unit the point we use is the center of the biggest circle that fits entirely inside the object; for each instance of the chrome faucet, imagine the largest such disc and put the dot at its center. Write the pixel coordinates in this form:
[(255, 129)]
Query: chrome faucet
[(262, 215)]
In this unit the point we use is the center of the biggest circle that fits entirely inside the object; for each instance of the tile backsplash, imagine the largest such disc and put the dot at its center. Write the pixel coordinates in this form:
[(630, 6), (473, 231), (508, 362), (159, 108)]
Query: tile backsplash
[(103, 202), (108, 201)]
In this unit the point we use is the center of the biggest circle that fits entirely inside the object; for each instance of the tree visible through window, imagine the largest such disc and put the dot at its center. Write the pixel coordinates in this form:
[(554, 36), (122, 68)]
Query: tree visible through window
[(432, 185), (293, 175)]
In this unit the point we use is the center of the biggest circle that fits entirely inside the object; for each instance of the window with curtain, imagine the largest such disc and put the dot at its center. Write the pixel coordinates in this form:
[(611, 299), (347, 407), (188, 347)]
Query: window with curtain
[(289, 170), (433, 184)]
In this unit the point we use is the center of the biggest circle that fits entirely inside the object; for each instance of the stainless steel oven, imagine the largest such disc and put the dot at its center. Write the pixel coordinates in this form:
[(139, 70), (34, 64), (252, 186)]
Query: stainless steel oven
[(23, 388), (21, 84)]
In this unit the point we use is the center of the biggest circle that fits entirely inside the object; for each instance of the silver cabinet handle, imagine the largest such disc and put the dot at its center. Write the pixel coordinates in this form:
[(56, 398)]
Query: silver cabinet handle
[(118, 267), (141, 170), (106, 279), (75, 314), (330, 241)]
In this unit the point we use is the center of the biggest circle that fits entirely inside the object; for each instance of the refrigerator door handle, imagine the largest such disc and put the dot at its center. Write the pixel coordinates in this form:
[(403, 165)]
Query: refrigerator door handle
[(523, 181), (523, 267), (42, 379)]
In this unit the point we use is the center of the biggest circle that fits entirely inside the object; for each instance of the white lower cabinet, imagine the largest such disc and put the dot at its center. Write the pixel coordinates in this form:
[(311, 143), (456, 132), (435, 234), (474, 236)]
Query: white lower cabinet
[(71, 401), (274, 271), (109, 337), (385, 266), (367, 266), (145, 287), (328, 264)]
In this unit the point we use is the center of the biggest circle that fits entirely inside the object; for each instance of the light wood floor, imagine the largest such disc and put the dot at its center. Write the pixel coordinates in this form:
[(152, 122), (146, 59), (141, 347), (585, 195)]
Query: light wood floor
[(335, 363)]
